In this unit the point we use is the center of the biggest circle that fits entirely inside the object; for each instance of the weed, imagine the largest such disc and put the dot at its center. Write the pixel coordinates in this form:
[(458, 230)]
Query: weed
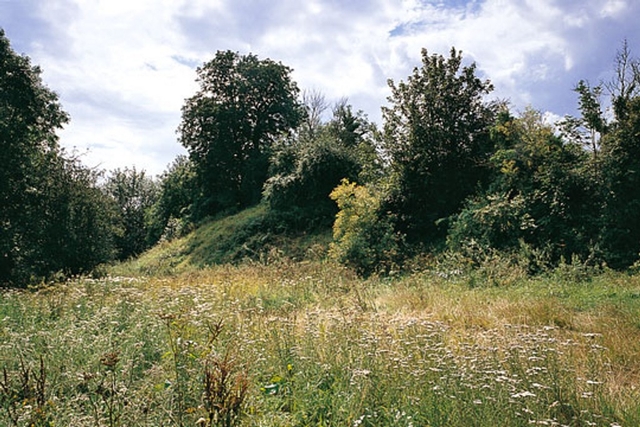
[(104, 391), (225, 385), (23, 394), (311, 344)]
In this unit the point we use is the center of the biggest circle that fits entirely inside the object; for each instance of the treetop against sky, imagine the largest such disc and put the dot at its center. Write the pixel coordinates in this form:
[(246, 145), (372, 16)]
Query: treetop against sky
[(123, 69)]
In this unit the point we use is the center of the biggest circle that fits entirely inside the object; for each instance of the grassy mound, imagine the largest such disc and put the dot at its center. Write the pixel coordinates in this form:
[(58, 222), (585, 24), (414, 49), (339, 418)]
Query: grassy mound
[(248, 234)]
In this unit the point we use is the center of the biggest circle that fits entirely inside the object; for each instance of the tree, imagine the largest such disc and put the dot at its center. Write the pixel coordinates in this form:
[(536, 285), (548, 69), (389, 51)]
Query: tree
[(171, 213), (315, 105), (621, 234), (244, 104), (30, 114), (620, 237), (626, 82), (541, 193), (589, 129), (53, 217), (74, 226), (437, 140), (134, 194)]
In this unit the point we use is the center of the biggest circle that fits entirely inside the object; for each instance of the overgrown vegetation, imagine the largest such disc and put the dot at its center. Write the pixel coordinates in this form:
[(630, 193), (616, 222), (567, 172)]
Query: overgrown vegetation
[(455, 267), (53, 216), (311, 344), (449, 170)]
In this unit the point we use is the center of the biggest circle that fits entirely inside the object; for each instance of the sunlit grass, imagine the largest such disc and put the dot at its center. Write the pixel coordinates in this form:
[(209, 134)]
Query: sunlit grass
[(311, 344)]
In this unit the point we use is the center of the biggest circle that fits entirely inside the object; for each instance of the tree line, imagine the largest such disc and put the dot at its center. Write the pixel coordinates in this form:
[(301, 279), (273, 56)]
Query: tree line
[(448, 169)]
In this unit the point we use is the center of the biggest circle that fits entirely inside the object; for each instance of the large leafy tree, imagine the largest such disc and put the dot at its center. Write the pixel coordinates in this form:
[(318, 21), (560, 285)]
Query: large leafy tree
[(621, 170), (437, 140), (244, 104), (52, 215), (29, 116), (621, 164)]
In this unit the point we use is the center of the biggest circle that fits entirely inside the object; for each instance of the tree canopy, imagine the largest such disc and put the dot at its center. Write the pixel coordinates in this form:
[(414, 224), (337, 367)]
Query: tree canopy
[(307, 166), (436, 134), (244, 104), (52, 215), (449, 169)]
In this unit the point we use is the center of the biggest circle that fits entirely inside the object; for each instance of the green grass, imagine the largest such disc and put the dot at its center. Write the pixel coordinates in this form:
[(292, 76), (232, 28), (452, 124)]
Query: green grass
[(308, 344), (246, 235)]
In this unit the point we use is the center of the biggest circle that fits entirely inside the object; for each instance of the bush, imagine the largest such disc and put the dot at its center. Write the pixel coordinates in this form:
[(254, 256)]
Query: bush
[(496, 221), (364, 238), (317, 168)]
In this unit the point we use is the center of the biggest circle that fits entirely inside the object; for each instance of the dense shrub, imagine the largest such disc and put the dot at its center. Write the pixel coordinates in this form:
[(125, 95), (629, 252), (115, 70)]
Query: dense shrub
[(364, 237), (496, 221), (305, 168), (319, 166)]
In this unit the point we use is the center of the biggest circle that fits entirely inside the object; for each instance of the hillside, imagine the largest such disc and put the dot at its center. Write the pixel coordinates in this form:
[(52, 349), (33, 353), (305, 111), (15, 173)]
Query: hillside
[(246, 235)]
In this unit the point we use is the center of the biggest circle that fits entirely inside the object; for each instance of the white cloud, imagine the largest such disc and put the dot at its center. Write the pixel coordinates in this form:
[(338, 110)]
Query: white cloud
[(614, 8), (124, 68)]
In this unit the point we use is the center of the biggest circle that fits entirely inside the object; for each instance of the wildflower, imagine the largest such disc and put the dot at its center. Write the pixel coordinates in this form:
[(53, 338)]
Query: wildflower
[(540, 386), (523, 394), (591, 335)]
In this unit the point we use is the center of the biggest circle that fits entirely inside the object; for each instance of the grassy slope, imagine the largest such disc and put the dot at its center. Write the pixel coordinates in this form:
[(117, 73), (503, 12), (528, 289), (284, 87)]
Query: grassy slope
[(231, 239), (308, 343)]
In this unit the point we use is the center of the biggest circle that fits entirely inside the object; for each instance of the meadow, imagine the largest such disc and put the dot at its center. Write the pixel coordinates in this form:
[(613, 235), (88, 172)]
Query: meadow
[(283, 343)]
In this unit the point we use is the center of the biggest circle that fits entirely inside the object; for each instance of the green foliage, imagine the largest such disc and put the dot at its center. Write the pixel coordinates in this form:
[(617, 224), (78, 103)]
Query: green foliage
[(589, 129), (170, 215), (29, 117), (620, 165), (77, 223), (495, 221), (52, 216), (307, 167), (363, 236), (301, 196), (621, 169), (437, 138), (134, 194), (542, 194), (244, 104)]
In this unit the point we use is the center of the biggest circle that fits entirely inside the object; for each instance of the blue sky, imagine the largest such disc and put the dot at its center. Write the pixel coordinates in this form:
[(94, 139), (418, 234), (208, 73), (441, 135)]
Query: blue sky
[(123, 68)]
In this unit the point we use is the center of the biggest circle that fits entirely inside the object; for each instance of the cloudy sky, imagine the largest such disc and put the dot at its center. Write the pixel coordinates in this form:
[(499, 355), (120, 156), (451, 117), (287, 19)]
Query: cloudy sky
[(123, 68)]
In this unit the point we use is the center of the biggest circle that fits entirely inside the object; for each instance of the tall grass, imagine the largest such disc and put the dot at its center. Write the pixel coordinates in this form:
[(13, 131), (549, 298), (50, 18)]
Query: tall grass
[(299, 344)]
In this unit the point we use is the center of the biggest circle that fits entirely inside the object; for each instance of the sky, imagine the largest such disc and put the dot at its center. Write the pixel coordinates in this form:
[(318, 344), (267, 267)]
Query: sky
[(123, 69)]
